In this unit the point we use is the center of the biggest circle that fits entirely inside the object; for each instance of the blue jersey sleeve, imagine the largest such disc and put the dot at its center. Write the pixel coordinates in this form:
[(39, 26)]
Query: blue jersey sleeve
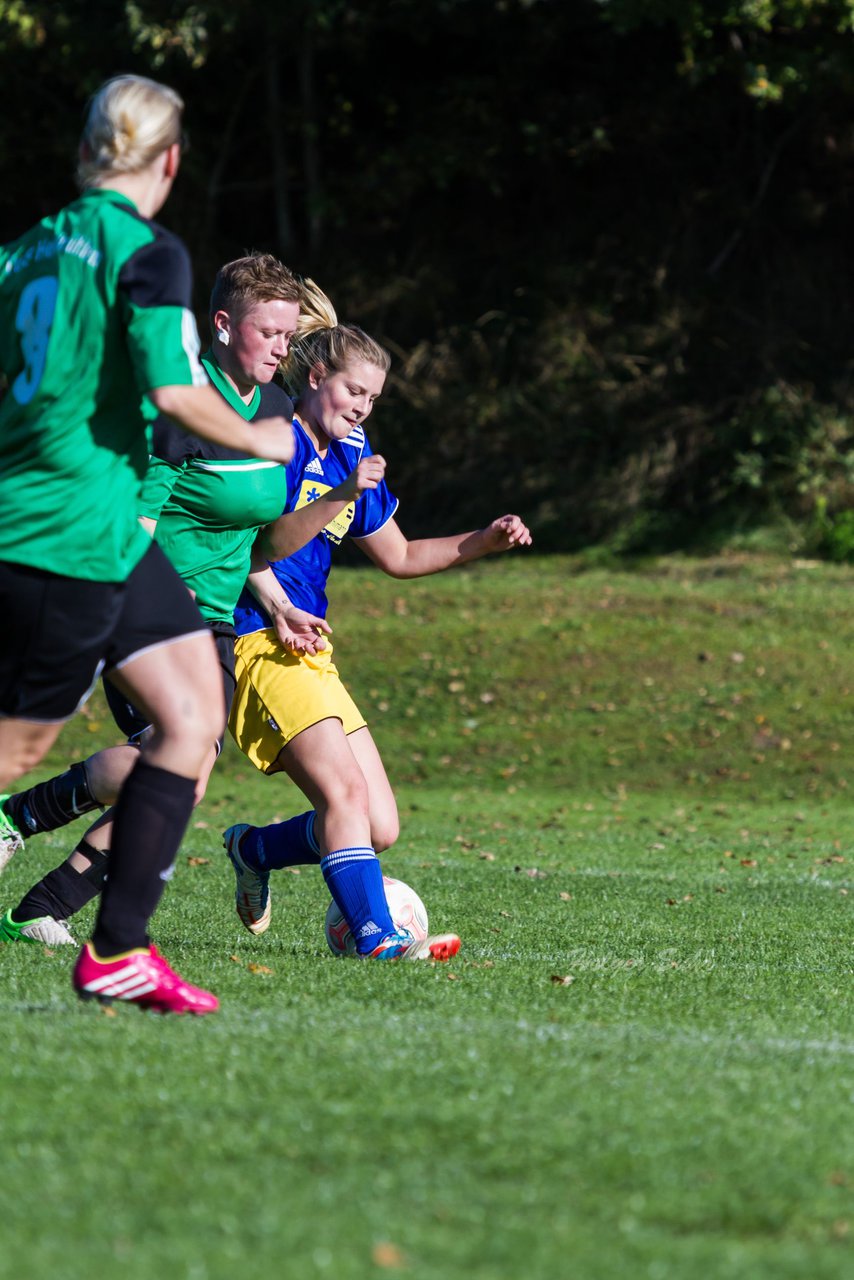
[(304, 574), (376, 506), (374, 509)]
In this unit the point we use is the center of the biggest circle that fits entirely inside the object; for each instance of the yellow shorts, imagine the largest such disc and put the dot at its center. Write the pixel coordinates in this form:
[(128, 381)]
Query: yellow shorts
[(279, 694)]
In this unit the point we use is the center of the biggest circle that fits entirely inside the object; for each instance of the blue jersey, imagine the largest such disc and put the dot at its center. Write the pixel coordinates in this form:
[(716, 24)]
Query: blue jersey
[(303, 575)]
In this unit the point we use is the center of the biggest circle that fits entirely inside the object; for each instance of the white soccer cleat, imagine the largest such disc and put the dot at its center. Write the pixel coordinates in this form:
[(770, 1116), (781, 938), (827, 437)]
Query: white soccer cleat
[(402, 945), (53, 933), (252, 892), (11, 840), (436, 946)]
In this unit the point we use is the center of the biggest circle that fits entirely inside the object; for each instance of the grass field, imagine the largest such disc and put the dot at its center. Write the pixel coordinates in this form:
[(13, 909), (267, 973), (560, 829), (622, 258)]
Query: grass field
[(629, 791)]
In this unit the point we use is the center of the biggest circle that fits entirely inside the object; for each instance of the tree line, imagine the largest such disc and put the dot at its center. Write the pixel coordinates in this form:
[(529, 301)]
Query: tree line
[(606, 241)]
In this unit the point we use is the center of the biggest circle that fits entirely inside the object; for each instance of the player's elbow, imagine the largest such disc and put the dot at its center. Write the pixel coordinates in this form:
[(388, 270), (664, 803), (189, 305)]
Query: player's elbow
[(166, 399), (396, 570), (273, 546), (187, 405)]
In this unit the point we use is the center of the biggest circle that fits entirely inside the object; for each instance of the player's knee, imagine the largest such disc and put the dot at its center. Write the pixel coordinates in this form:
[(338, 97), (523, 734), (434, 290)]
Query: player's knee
[(18, 759), (194, 726), (384, 832), (107, 770), (348, 795)]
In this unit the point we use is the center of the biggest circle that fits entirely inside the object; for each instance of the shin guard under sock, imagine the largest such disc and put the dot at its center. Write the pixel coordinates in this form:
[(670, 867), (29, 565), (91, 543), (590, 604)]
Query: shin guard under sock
[(63, 891), (52, 804), (151, 816), (354, 878)]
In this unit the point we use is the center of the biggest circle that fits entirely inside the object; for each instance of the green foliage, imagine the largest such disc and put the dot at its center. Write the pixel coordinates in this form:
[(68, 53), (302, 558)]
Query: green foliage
[(833, 534), (777, 49), (615, 279), (795, 447)]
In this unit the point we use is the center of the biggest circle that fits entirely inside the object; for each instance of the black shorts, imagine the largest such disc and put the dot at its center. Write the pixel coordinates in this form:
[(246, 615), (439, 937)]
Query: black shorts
[(63, 632), (133, 723)]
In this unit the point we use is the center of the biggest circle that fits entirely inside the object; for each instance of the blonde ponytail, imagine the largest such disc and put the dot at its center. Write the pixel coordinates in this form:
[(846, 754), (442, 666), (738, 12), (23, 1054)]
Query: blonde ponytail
[(130, 121), (323, 344)]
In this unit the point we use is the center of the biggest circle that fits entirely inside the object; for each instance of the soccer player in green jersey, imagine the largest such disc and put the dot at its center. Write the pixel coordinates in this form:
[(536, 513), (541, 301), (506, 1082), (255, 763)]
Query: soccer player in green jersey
[(94, 315), (204, 503)]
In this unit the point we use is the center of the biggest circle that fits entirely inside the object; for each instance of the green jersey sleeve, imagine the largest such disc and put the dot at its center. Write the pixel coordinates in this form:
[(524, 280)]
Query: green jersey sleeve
[(162, 339), (160, 479)]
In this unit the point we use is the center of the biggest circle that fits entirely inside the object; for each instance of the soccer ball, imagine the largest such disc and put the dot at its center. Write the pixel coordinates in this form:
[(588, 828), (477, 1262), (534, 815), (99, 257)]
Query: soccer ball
[(407, 912)]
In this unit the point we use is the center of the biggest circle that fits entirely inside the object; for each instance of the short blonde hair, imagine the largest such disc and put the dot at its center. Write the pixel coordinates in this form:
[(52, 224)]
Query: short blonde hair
[(130, 120), (258, 277), (322, 343)]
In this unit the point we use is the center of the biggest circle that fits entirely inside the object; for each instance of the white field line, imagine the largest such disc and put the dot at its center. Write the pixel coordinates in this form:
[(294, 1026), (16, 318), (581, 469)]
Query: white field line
[(684, 873), (666, 876), (583, 1033)]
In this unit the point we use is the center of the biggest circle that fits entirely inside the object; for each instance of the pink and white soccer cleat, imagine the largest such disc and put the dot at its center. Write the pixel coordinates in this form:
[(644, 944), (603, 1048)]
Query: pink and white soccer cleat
[(139, 977)]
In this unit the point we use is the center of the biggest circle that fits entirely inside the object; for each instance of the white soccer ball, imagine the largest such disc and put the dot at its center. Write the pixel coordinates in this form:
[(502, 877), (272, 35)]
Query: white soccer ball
[(407, 912)]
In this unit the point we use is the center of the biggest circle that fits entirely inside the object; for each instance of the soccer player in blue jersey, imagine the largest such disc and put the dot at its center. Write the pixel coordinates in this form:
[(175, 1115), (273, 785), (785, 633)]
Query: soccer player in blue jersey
[(291, 714), (95, 314)]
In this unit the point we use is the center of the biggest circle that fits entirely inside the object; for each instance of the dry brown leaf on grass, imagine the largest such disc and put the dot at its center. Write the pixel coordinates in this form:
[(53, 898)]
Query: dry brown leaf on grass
[(386, 1254), (198, 862), (561, 980), (258, 968)]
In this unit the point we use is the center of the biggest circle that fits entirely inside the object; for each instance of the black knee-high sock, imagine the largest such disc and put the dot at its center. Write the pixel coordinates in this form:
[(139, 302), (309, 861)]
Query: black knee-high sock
[(63, 891), (52, 804), (151, 816)]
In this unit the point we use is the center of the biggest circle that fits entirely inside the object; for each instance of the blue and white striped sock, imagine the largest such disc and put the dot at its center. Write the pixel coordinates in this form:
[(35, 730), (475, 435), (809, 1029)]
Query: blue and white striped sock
[(354, 878)]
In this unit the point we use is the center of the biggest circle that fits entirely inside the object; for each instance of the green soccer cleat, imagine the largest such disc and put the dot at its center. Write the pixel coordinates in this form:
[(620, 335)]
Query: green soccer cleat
[(11, 839), (44, 929)]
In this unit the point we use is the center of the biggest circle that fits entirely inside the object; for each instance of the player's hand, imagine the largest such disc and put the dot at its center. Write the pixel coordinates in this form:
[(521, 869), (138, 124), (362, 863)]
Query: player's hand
[(367, 475), (507, 532), (273, 440), (301, 632)]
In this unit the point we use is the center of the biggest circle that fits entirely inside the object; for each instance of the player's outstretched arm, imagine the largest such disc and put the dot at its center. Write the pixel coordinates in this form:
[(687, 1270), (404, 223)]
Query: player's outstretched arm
[(294, 529), (203, 411), (392, 552)]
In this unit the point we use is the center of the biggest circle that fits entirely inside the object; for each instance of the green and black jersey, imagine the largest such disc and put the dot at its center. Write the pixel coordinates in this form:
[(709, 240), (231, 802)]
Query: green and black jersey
[(210, 501), (94, 312)]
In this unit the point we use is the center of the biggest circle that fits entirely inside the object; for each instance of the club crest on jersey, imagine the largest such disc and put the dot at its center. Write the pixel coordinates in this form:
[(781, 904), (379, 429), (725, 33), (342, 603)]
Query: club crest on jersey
[(310, 491)]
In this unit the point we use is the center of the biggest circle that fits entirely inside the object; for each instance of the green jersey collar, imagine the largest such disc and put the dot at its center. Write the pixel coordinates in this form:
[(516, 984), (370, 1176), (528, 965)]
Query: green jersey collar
[(106, 193), (227, 391)]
